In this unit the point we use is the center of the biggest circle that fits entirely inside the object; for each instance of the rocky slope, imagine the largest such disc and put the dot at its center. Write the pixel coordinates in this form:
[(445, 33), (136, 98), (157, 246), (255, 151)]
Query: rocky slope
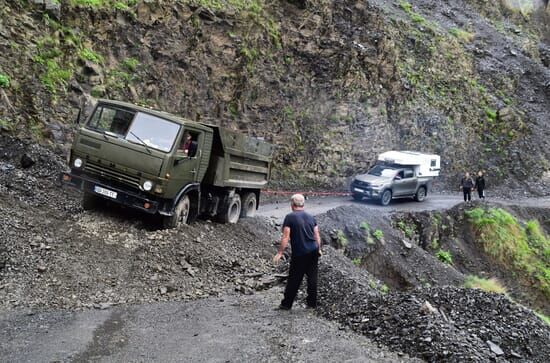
[(332, 83)]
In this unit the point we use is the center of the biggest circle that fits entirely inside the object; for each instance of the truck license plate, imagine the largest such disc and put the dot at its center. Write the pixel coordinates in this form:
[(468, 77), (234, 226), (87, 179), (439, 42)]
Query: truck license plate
[(106, 192)]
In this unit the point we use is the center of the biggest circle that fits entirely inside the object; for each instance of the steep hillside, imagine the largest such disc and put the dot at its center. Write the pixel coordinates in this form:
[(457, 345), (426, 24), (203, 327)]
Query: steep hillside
[(332, 83)]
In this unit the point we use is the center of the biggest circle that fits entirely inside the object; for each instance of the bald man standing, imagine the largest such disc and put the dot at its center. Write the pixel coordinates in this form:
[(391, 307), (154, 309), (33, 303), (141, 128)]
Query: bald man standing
[(301, 229)]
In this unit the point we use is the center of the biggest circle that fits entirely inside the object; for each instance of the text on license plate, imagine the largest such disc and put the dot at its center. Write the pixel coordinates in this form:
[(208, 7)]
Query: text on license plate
[(106, 192)]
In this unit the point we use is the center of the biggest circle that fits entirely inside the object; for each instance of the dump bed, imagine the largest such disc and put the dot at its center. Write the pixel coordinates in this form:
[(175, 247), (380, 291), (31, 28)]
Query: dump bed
[(238, 160)]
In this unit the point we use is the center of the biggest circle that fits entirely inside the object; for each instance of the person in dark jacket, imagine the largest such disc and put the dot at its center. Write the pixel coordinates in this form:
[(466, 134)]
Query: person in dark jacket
[(467, 185), (480, 185), (301, 229)]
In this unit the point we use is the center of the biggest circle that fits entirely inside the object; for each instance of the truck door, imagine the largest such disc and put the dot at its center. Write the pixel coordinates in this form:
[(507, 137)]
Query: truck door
[(404, 183), (188, 157), (409, 182)]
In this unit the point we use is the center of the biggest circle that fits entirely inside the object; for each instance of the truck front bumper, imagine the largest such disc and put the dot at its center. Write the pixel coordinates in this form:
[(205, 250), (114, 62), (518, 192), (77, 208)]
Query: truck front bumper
[(366, 192), (126, 197)]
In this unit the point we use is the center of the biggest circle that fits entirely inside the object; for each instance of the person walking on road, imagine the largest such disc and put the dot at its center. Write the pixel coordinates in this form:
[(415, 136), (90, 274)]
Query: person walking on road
[(480, 185), (467, 185), (301, 229)]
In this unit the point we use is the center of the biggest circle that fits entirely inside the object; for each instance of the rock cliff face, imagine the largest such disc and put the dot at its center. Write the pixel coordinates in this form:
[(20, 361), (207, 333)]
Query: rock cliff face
[(332, 83)]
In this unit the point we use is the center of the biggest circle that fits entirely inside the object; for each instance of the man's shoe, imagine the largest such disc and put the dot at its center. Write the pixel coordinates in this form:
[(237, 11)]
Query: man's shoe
[(282, 307)]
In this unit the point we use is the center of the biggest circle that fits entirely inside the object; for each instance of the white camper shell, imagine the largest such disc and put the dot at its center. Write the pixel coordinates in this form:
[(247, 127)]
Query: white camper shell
[(424, 165)]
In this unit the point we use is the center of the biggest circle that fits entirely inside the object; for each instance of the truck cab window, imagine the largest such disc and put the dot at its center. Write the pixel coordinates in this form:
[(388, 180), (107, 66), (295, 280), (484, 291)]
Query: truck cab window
[(408, 173), (189, 144), (113, 120)]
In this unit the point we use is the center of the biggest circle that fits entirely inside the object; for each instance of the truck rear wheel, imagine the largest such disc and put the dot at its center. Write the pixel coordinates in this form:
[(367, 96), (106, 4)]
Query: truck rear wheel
[(89, 201), (385, 199), (420, 194), (249, 205), (181, 214), (232, 210)]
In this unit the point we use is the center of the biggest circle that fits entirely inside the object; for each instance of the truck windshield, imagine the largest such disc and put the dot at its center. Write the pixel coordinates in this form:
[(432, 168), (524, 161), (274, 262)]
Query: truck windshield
[(381, 170), (153, 131), (136, 127)]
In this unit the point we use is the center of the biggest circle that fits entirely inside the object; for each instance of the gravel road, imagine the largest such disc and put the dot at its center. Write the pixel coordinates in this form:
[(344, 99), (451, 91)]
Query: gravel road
[(319, 205), (228, 329)]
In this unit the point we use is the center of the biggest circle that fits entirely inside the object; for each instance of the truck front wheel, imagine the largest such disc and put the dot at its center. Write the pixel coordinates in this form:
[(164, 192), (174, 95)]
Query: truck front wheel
[(249, 205), (181, 214), (89, 201), (385, 199), (232, 210)]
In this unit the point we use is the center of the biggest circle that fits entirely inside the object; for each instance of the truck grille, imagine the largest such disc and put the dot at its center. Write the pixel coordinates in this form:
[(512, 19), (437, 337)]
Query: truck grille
[(104, 171), (359, 183)]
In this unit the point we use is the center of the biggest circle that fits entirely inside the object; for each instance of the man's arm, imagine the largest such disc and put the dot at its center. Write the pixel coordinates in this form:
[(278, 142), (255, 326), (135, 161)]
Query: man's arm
[(284, 243), (317, 237)]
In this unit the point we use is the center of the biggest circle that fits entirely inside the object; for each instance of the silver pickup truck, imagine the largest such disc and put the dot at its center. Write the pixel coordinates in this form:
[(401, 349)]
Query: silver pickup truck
[(387, 182)]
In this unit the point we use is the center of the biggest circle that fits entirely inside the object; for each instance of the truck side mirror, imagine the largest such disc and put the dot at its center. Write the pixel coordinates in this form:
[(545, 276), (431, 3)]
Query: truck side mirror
[(77, 121)]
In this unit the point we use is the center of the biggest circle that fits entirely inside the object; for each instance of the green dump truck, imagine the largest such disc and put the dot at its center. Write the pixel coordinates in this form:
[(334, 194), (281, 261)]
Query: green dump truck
[(163, 164)]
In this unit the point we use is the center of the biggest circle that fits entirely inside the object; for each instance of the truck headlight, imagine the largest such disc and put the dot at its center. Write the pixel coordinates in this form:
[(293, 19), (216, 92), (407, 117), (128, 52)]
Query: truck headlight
[(77, 163), (147, 185)]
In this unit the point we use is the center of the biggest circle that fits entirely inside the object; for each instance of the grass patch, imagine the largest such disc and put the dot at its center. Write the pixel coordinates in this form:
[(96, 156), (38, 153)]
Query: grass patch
[(525, 249), (462, 35), (90, 55), (356, 261), (543, 317), (488, 285), (4, 80), (384, 289), (378, 234)]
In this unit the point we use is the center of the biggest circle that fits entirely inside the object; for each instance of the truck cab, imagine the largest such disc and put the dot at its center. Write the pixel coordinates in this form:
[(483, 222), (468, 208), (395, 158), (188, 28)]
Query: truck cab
[(161, 163)]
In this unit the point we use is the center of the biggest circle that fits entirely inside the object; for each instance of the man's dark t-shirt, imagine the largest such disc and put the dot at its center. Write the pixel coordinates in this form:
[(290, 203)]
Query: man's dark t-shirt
[(301, 226)]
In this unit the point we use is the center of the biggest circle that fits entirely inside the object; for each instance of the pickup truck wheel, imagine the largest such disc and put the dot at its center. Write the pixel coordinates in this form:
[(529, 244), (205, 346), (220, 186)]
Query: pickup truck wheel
[(232, 210), (181, 214), (420, 194), (385, 199), (249, 205), (89, 201)]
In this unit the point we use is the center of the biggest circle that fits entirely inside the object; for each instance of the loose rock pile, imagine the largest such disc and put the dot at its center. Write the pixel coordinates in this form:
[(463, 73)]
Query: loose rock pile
[(437, 324)]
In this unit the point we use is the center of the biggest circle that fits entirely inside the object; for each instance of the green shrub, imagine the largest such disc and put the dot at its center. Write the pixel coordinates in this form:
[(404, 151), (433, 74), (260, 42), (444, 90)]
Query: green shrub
[(384, 289), (356, 261), (4, 80), (378, 234), (90, 55), (341, 239), (130, 64), (445, 257), (488, 285), (407, 228), (365, 226)]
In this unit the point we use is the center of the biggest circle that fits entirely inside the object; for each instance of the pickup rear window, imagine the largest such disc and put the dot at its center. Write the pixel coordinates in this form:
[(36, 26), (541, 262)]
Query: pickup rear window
[(136, 127)]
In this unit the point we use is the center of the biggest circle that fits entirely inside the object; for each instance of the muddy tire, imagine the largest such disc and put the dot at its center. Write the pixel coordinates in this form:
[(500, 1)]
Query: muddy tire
[(249, 204), (90, 201), (385, 198), (420, 194), (181, 214), (232, 210), (357, 197)]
